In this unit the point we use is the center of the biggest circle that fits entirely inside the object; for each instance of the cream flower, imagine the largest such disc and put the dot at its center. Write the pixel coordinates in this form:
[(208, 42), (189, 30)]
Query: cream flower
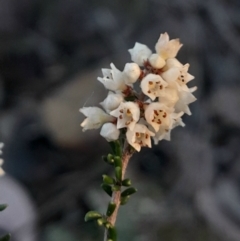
[(185, 98), (171, 95), (148, 108), (164, 133), (110, 132), (172, 62), (127, 115), (140, 136), (112, 101), (96, 117), (140, 53), (113, 79), (179, 75), (132, 73), (157, 115), (167, 48), (153, 86), (156, 61)]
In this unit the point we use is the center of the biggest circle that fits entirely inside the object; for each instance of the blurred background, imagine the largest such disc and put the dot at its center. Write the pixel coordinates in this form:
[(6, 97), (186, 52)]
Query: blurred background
[(51, 52)]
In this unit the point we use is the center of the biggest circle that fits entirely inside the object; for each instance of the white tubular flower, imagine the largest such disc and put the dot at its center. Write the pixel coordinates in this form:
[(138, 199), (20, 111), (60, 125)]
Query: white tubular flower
[(113, 79), (156, 61), (185, 98), (132, 73), (164, 133), (153, 86), (110, 132), (171, 96), (180, 75), (157, 115), (173, 62), (139, 136), (171, 75), (167, 49), (184, 77), (96, 117), (112, 101), (127, 115), (140, 53)]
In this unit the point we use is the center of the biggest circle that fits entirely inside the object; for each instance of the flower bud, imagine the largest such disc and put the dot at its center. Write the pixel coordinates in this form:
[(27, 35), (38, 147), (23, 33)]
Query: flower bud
[(95, 118), (110, 132), (156, 61), (112, 101), (139, 53), (132, 73)]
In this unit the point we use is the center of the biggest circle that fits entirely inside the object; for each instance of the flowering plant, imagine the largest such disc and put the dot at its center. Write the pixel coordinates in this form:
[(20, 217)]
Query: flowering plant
[(145, 101)]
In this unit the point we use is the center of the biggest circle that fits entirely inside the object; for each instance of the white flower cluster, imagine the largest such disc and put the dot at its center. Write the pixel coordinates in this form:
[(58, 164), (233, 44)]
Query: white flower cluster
[(151, 110)]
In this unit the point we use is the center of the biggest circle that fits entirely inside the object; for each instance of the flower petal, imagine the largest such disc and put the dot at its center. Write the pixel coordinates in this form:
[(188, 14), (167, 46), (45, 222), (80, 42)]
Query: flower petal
[(110, 132), (96, 117), (140, 53)]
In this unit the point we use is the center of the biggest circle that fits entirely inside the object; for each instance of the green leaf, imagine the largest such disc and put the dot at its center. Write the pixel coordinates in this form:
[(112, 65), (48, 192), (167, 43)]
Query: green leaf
[(111, 208), (110, 158), (116, 147), (109, 240), (107, 179), (101, 221), (3, 206), (126, 182), (128, 191), (5, 238), (92, 215), (118, 173), (117, 161), (107, 188), (108, 161), (116, 188), (112, 233), (124, 200), (108, 225)]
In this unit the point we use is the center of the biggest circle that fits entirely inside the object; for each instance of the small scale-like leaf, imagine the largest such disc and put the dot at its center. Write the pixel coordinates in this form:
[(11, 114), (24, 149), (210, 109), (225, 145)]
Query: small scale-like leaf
[(100, 221), (112, 233), (117, 161), (3, 206), (107, 188), (116, 188), (107, 179), (108, 161), (110, 158), (124, 200), (118, 173), (111, 208), (116, 147), (5, 237), (126, 182), (108, 225), (92, 215), (128, 191)]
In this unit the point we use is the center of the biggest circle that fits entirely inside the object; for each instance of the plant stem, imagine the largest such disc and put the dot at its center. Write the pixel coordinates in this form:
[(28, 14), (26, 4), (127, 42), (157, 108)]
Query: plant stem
[(116, 196)]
